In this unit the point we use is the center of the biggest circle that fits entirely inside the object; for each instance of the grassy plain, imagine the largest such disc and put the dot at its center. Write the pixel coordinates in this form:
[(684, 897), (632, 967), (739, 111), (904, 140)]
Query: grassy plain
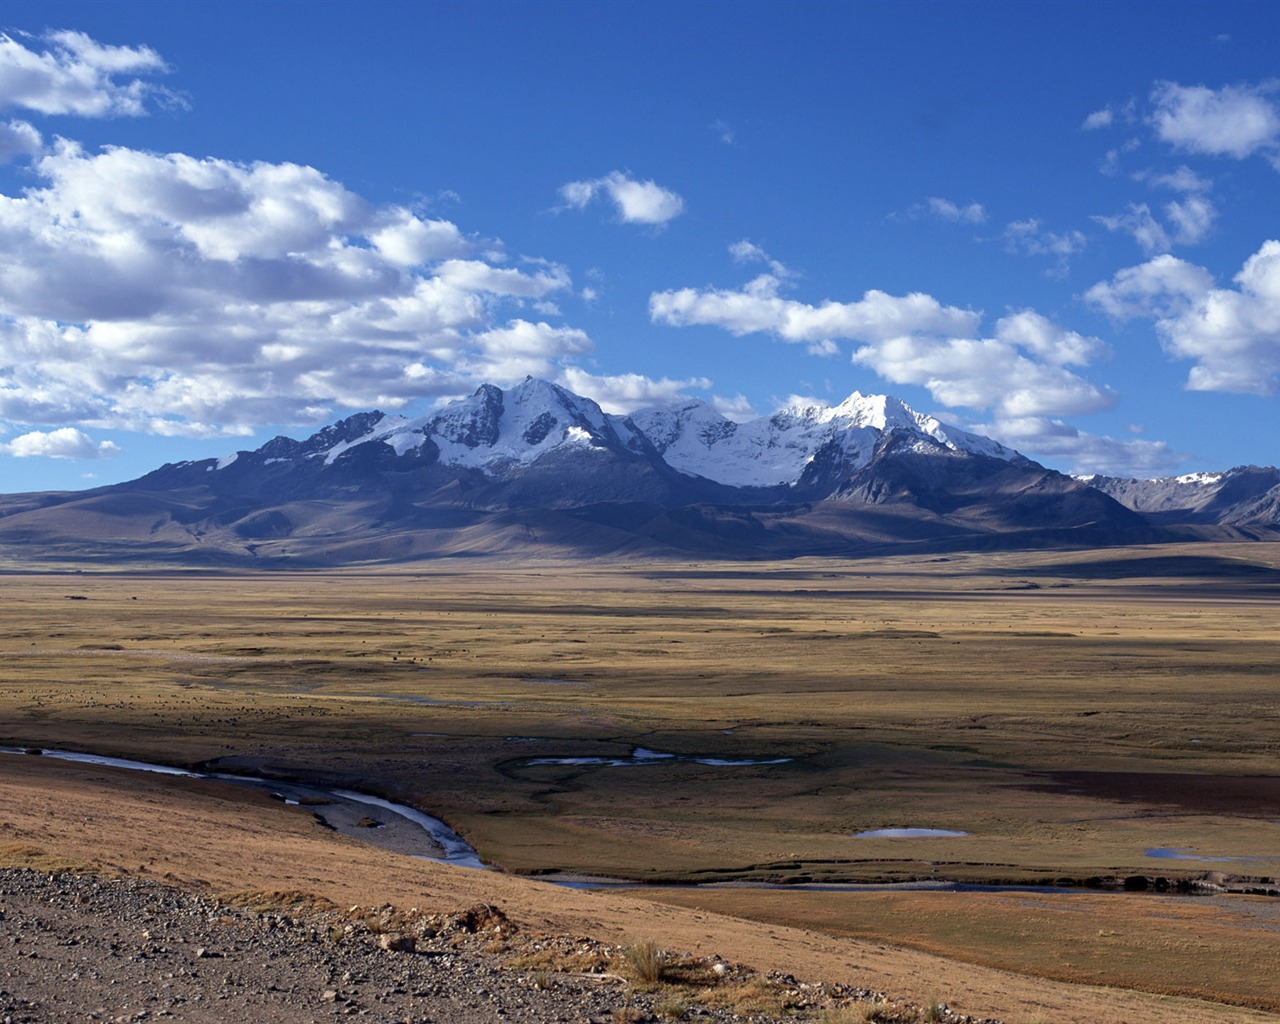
[(1070, 711)]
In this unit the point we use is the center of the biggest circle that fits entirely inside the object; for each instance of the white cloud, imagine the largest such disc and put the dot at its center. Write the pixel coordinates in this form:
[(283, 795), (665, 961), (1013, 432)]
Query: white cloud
[(1103, 118), (18, 138), (168, 294), (407, 241), (724, 132), (971, 213), (984, 373), (1183, 179), (477, 276), (914, 339), (1162, 287), (522, 349), (1232, 335), (1192, 219), (1041, 337), (736, 408), (1110, 164), (637, 202), (747, 251), (1027, 236), (1051, 440), (757, 307), (77, 75), (627, 392), (1233, 121), (1138, 221), (63, 443)]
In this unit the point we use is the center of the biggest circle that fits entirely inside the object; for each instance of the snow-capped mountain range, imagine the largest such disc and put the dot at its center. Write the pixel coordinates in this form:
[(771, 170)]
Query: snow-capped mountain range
[(538, 470), (502, 431)]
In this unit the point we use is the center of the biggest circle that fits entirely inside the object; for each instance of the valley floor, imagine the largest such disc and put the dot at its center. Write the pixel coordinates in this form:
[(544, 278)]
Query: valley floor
[(1072, 712)]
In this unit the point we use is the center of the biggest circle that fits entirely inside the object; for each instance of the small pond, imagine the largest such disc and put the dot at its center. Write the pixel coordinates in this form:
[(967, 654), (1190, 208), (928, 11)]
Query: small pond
[(643, 756)]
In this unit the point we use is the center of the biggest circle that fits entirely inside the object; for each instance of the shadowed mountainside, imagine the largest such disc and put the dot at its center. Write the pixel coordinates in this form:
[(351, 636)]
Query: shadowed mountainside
[(538, 471)]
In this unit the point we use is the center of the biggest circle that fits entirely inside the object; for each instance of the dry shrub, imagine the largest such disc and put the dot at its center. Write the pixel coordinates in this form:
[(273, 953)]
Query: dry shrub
[(757, 995), (646, 961), (280, 901)]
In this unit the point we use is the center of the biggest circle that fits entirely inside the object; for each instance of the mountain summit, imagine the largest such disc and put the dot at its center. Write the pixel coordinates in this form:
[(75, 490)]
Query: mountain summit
[(503, 432), (536, 469)]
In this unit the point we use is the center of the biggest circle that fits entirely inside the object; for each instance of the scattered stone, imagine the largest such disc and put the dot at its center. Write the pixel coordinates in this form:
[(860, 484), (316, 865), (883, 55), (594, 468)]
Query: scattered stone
[(297, 967), (397, 942)]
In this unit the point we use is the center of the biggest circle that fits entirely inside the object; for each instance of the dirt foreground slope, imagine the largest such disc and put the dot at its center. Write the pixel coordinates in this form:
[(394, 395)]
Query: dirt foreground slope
[(213, 838)]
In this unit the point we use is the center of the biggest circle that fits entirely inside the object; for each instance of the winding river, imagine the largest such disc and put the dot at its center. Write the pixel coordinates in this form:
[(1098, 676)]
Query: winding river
[(404, 829), (401, 828)]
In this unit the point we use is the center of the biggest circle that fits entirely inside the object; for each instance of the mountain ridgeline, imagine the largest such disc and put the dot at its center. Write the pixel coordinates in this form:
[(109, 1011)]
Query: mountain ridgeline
[(539, 471)]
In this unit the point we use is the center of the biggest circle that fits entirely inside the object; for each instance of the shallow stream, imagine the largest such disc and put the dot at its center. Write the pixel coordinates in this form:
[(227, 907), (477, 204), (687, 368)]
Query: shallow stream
[(404, 829)]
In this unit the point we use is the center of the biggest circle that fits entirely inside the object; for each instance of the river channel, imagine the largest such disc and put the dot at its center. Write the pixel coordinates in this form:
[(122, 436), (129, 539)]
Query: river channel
[(406, 830)]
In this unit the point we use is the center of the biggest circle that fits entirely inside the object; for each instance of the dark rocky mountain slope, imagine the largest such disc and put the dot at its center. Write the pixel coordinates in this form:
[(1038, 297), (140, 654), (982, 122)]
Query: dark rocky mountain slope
[(536, 470)]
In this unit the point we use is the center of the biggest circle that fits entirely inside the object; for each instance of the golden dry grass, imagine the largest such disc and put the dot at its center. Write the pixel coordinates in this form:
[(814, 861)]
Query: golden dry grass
[(223, 839), (1222, 948), (1069, 710), (936, 693)]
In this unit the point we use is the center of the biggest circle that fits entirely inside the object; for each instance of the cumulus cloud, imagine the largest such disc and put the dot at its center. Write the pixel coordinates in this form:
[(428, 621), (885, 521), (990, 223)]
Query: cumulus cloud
[(1020, 370), (1138, 221), (627, 392), (1163, 287), (1042, 338), (18, 139), (169, 294), (478, 276), (1083, 453), (984, 373), (1103, 118), (522, 349), (63, 443), (406, 240), (1236, 120), (735, 407), (758, 307), (637, 202), (1231, 335), (1190, 220), (75, 74)]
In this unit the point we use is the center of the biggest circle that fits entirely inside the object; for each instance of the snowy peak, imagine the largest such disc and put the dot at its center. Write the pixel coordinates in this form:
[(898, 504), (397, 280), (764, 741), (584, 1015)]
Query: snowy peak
[(1244, 496), (806, 443), (782, 449), (517, 426)]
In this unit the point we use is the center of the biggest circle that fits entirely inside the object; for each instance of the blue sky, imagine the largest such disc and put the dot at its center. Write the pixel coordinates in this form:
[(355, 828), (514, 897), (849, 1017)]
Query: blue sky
[(1055, 224)]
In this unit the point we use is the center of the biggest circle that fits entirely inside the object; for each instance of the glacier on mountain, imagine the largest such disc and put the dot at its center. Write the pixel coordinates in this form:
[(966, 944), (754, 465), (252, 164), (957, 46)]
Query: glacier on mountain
[(498, 431)]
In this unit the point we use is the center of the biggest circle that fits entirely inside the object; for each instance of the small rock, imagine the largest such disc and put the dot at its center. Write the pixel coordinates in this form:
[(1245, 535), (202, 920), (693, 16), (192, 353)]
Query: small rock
[(397, 942)]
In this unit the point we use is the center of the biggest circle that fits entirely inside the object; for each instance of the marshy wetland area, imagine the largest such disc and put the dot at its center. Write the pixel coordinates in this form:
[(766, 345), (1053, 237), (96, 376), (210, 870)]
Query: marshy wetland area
[(1101, 725)]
